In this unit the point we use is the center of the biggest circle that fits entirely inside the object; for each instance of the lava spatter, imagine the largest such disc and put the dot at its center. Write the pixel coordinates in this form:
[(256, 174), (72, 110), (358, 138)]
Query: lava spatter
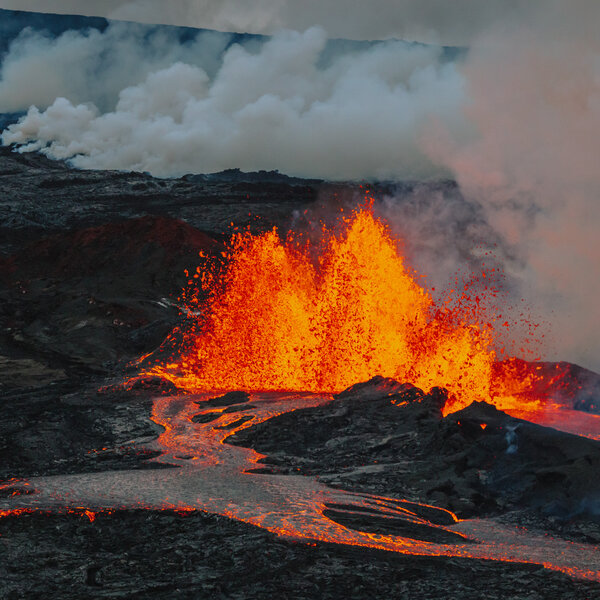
[(288, 317), (285, 315)]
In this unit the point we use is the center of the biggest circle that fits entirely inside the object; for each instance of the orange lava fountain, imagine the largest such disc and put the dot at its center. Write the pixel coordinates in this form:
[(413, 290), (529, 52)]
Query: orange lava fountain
[(286, 321)]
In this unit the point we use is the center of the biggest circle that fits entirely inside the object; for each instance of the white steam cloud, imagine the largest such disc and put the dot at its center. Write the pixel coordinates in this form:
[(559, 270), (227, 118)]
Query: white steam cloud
[(275, 107), (516, 123), (93, 66), (532, 163)]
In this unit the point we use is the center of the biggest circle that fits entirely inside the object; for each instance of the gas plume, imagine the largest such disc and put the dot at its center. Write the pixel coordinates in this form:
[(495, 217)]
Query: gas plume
[(531, 163), (358, 115)]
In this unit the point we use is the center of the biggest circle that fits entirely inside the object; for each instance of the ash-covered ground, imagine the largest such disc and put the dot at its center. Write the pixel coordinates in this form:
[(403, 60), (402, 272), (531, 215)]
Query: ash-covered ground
[(92, 264)]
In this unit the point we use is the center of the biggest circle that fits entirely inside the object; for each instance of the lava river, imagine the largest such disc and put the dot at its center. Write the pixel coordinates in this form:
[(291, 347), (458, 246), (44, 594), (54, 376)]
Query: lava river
[(210, 475)]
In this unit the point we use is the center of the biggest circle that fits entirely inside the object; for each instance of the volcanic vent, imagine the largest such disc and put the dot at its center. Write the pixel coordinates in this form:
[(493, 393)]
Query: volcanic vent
[(289, 315)]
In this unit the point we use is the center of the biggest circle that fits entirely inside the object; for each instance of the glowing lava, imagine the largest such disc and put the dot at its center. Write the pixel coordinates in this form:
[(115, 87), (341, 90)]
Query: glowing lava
[(284, 315), (285, 320), (216, 477)]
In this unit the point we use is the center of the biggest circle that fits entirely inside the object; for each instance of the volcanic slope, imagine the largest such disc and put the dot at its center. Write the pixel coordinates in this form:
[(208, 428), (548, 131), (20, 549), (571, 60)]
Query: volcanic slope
[(388, 438)]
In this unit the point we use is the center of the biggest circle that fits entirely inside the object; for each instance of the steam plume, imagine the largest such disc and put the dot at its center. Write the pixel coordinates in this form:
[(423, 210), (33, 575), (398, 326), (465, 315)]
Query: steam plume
[(361, 115), (532, 162)]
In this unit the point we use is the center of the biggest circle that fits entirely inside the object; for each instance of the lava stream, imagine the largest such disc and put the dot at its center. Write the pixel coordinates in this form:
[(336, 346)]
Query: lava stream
[(214, 477)]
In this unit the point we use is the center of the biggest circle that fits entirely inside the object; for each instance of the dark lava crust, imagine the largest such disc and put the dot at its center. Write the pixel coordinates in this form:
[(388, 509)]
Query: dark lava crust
[(91, 265), (390, 439), (142, 554)]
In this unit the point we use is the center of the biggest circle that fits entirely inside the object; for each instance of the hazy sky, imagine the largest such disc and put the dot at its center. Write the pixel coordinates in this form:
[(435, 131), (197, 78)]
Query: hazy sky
[(445, 21)]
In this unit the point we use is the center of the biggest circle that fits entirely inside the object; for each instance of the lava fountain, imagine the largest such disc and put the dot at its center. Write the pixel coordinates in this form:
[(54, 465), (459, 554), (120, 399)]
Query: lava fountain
[(287, 315), (290, 317)]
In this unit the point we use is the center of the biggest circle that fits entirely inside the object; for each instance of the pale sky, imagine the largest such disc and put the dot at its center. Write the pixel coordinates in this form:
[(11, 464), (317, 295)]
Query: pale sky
[(452, 22)]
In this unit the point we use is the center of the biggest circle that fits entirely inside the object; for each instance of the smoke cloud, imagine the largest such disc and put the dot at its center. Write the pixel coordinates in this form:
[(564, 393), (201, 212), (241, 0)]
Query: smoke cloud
[(532, 163), (516, 122), (272, 107)]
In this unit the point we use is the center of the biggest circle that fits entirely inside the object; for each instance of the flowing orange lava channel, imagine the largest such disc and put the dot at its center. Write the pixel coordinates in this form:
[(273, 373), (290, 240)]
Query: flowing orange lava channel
[(285, 316)]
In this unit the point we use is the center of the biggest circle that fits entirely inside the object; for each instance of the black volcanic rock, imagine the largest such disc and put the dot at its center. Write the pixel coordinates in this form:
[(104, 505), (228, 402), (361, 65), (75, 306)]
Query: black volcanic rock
[(363, 520), (522, 463), (70, 427), (370, 423), (106, 293), (228, 399), (145, 248), (185, 556), (42, 197), (391, 439)]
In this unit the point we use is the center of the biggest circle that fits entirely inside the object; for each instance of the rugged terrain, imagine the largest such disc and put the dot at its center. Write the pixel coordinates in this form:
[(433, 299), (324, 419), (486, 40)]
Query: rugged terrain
[(91, 269), (92, 266), (387, 438)]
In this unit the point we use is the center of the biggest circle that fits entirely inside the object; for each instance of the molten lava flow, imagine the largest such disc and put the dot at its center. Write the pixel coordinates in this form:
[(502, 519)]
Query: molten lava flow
[(219, 478), (284, 320)]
